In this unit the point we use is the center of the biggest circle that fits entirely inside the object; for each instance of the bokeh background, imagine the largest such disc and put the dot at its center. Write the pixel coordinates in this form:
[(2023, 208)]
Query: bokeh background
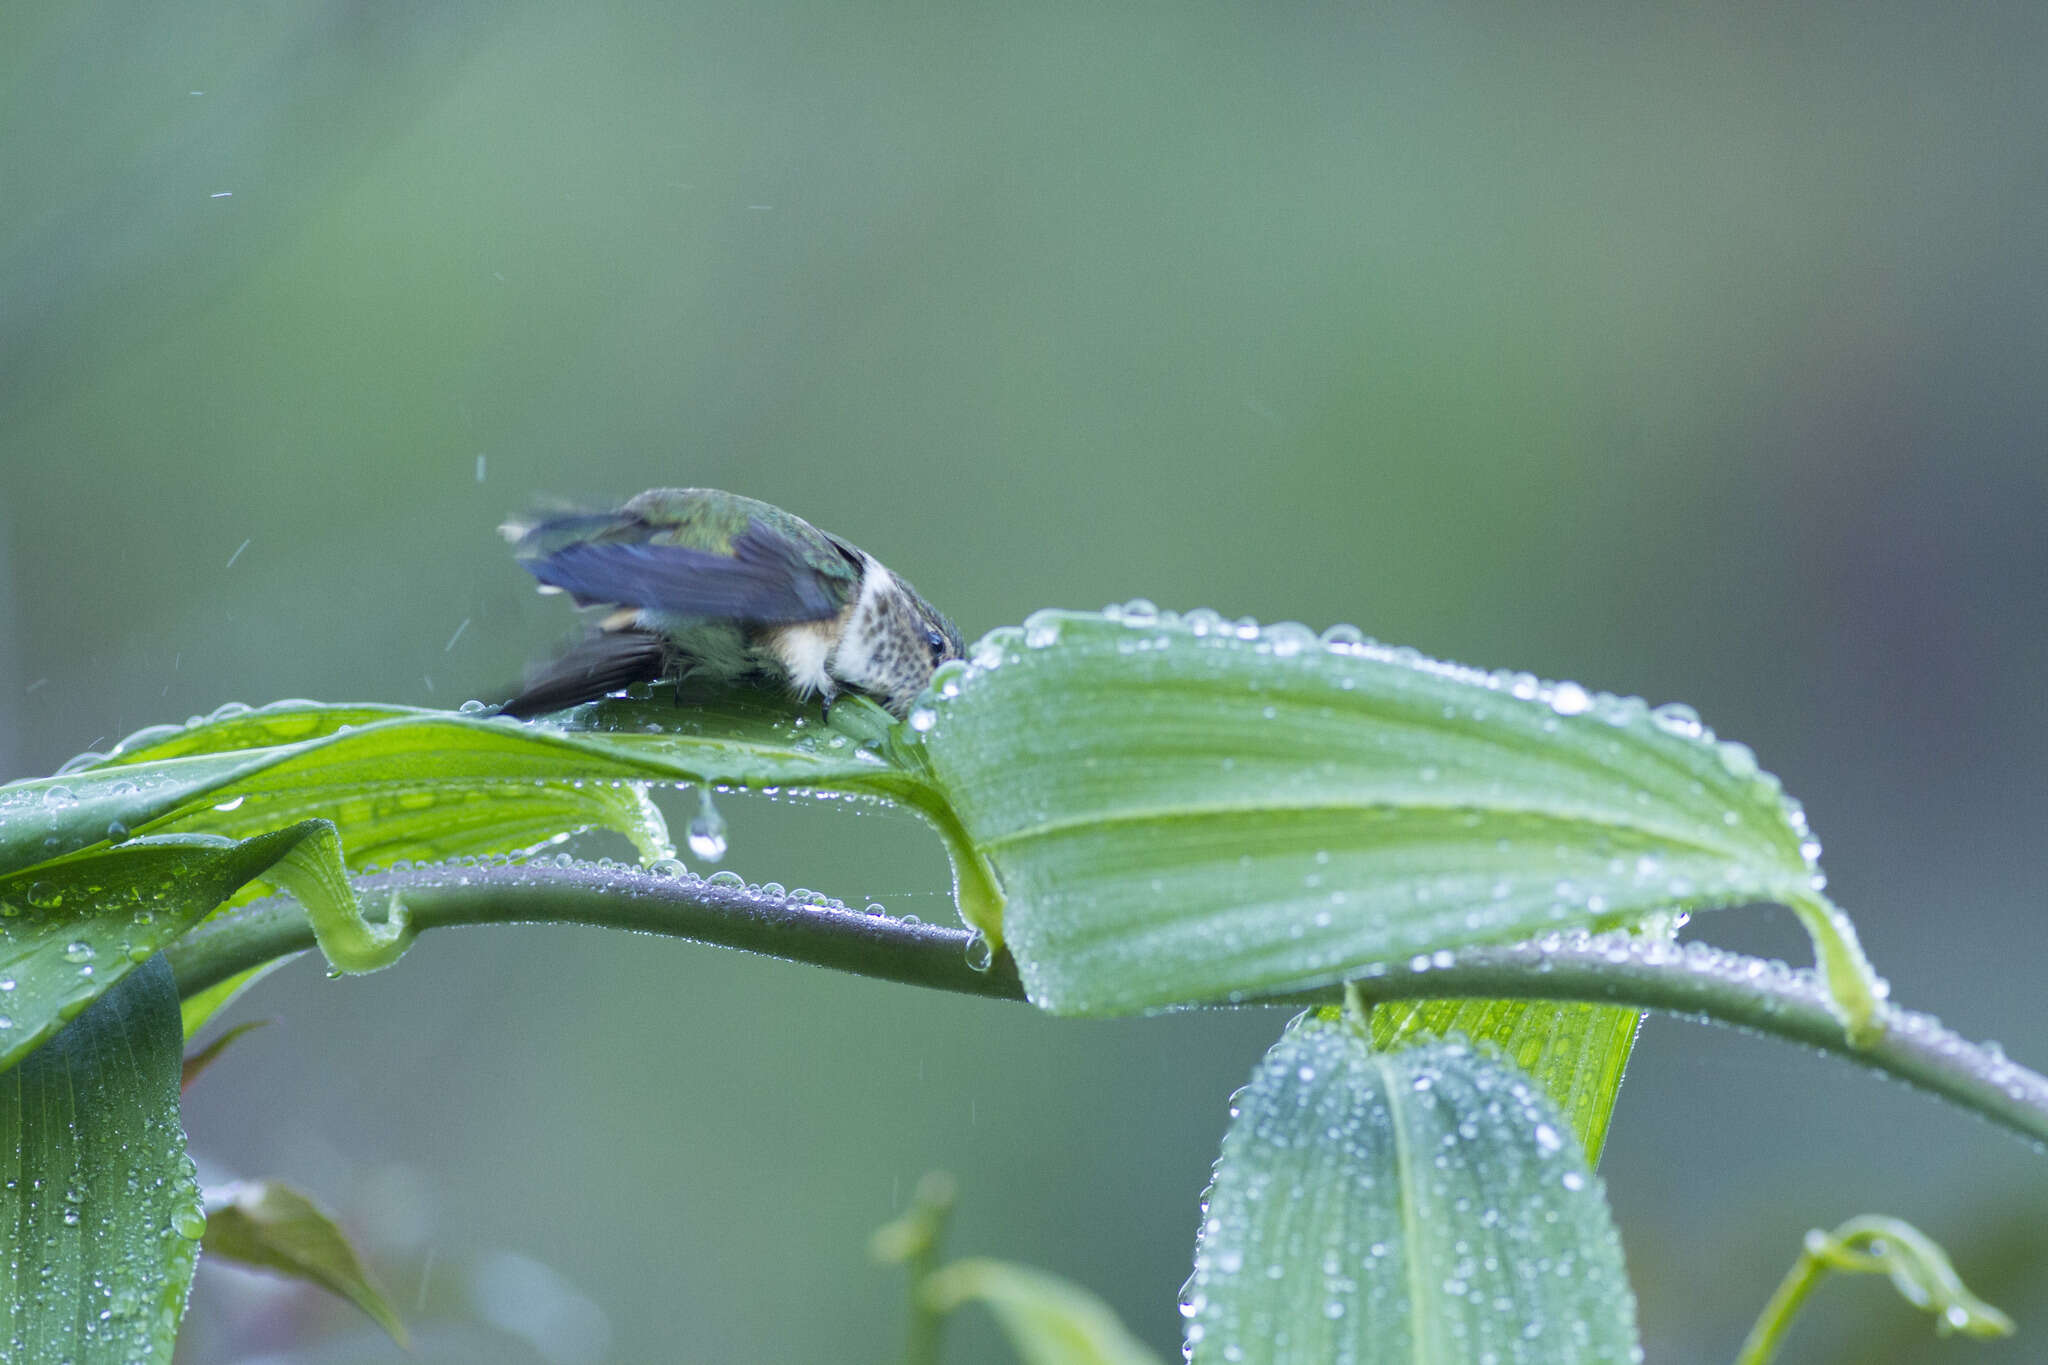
[(1696, 352)]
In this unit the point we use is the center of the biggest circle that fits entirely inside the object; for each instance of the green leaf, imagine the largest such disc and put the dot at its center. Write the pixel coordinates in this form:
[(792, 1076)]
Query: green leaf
[(1575, 1052), (262, 1223), (1420, 1206), (1181, 810), (98, 1208), (71, 929), (1050, 1321)]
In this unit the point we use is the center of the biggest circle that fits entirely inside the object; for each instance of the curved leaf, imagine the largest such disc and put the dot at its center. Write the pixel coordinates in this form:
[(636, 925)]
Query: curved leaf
[(99, 1212), (274, 1227), (1422, 1207), (1181, 810)]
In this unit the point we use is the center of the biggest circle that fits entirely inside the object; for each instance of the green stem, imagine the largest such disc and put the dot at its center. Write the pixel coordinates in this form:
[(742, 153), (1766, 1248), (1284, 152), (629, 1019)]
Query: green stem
[(1761, 1346), (684, 906), (1874, 1245), (1692, 981)]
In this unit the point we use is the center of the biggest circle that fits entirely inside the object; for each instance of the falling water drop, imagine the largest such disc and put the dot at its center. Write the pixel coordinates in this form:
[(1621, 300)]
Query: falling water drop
[(707, 828)]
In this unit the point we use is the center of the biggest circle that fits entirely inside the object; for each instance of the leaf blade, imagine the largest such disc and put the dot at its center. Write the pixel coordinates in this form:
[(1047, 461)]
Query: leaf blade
[(102, 1277), (1182, 811), (1420, 1206)]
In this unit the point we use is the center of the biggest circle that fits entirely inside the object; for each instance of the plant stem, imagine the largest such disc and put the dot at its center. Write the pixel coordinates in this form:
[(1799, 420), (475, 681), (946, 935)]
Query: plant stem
[(1692, 981), (685, 906)]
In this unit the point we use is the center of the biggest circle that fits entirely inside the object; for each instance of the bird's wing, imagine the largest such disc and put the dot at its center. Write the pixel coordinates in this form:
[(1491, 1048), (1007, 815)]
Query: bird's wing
[(766, 578), (599, 664)]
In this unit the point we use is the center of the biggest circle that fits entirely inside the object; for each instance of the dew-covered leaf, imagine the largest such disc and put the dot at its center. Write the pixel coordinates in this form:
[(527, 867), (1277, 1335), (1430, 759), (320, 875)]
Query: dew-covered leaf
[(1181, 810), (400, 782), (1576, 1052), (271, 1226), (71, 929), (99, 1211), (1048, 1320), (1420, 1207)]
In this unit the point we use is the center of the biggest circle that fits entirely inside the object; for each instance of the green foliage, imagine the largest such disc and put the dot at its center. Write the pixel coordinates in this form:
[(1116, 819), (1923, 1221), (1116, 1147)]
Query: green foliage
[(100, 1215), (1425, 1205), (262, 1223), (1875, 1245), (1187, 810), (1150, 812)]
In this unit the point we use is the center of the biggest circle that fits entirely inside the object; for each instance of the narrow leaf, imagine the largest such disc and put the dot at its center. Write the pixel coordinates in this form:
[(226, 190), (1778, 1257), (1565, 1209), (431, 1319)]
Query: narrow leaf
[(271, 1226), (1049, 1320), (1181, 810), (1421, 1207), (98, 1209)]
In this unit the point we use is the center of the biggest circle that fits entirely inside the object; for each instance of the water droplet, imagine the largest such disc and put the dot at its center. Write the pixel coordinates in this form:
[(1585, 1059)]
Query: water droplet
[(726, 878), (78, 950), (58, 798), (979, 954), (1737, 758), (116, 831), (666, 867), (1343, 636), (471, 707), (1570, 699), (1041, 629), (44, 896), (1677, 718), (1138, 611), (189, 1222), (234, 804), (923, 719), (707, 828)]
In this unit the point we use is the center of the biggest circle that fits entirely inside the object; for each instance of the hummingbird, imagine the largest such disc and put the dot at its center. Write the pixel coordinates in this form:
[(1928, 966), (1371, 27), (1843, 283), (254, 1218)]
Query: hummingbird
[(702, 584)]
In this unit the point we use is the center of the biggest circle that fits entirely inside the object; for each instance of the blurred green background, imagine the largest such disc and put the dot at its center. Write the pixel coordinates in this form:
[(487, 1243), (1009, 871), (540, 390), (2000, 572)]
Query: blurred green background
[(1689, 351)]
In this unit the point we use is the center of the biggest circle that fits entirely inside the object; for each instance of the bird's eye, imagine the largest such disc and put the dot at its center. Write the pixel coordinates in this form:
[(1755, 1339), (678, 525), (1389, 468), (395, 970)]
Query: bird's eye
[(938, 645)]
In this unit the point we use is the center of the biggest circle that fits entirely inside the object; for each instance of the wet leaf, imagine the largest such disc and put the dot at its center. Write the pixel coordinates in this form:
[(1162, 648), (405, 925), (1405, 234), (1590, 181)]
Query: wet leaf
[(271, 1226), (99, 1212), (71, 929), (1418, 1207), (1576, 1052), (1180, 810)]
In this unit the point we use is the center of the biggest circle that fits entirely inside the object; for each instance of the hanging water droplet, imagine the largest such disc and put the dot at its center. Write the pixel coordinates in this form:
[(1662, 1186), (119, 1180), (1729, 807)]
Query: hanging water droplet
[(707, 828), (980, 956)]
